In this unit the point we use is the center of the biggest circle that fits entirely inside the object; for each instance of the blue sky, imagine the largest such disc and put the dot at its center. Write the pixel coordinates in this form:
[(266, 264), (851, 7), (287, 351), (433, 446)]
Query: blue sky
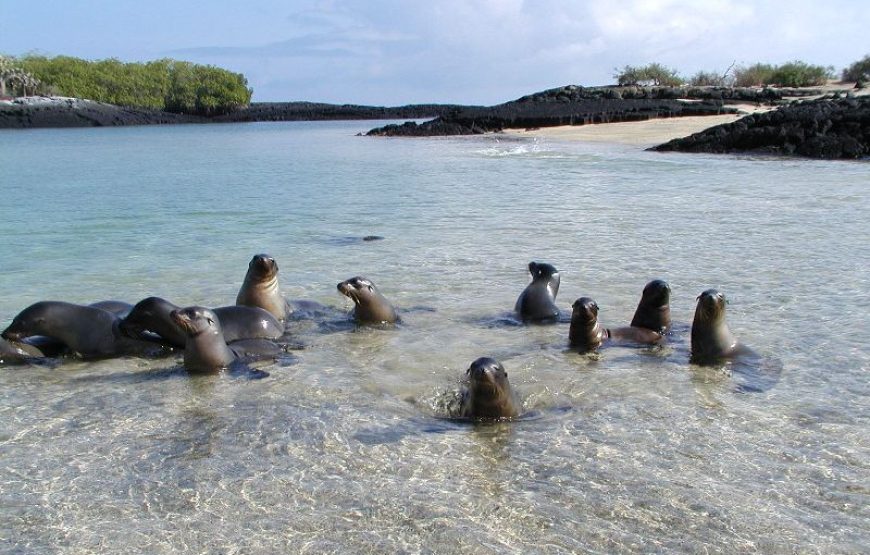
[(392, 52)]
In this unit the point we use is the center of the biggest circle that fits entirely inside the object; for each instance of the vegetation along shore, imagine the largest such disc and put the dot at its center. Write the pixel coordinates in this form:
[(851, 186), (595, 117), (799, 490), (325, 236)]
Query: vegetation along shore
[(810, 117)]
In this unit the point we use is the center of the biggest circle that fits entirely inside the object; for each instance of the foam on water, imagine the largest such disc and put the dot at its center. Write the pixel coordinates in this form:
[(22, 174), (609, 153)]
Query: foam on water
[(347, 451)]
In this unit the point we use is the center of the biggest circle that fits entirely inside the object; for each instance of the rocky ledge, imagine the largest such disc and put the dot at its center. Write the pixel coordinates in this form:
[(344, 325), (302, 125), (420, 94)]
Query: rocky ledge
[(572, 105), (32, 112), (828, 128)]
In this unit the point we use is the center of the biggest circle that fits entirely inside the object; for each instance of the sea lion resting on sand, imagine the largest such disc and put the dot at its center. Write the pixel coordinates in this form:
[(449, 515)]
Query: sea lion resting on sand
[(237, 322), (88, 331), (654, 310), (537, 302), (261, 288), (588, 334), (487, 393), (206, 350), (370, 306)]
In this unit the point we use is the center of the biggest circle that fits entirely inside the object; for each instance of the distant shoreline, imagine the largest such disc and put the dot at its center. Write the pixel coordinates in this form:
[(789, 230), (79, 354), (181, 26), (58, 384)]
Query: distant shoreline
[(63, 112), (552, 107), (643, 116)]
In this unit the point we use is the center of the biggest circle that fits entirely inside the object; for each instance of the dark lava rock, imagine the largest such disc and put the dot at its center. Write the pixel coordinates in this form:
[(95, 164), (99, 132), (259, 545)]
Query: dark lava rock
[(828, 128), (85, 113), (316, 111), (82, 113), (571, 105)]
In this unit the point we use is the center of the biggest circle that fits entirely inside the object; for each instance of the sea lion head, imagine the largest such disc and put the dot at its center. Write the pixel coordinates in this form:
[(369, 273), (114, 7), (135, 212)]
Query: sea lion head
[(146, 310), (488, 393), (542, 270), (654, 310), (196, 320), (656, 293), (711, 307), (356, 288), (585, 312), (263, 267), (30, 321)]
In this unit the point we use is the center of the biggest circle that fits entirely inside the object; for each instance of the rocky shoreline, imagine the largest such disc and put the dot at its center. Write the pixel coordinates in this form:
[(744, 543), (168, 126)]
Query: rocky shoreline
[(827, 128), (575, 105), (57, 112), (833, 126), (571, 105)]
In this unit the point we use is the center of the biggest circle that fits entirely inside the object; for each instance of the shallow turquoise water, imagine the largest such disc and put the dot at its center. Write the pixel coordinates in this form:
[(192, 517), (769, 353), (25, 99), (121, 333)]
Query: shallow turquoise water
[(632, 450)]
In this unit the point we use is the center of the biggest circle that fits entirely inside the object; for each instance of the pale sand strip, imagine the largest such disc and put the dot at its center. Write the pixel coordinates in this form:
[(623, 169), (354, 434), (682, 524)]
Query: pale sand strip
[(657, 131), (642, 133)]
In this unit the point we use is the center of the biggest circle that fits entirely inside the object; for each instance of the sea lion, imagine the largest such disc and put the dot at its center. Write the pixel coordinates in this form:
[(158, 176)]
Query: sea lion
[(654, 310), (261, 288), (370, 306), (206, 350), (13, 352), (89, 332), (153, 314), (711, 338), (487, 394), (537, 302), (588, 334)]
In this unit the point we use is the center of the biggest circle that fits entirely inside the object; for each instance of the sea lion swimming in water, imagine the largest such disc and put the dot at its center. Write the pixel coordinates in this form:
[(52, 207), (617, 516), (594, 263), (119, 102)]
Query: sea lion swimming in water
[(487, 394), (89, 332), (714, 344), (711, 338), (588, 334), (261, 288), (153, 314), (537, 302), (654, 310), (370, 307), (206, 350)]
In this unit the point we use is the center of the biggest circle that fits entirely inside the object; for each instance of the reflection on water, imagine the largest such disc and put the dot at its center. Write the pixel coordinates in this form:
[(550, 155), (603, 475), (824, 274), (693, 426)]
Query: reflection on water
[(348, 447)]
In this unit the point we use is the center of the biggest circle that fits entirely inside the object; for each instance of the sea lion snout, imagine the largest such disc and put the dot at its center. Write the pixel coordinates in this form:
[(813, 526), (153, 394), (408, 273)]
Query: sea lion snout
[(12, 335), (486, 369)]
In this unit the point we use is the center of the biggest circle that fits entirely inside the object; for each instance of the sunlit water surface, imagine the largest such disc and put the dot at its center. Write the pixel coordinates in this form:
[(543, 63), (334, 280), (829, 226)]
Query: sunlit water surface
[(348, 451)]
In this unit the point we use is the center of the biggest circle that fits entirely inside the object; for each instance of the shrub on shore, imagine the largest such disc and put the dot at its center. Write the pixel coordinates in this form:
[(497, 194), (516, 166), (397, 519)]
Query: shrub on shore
[(170, 85), (792, 74), (859, 71), (651, 74), (709, 79)]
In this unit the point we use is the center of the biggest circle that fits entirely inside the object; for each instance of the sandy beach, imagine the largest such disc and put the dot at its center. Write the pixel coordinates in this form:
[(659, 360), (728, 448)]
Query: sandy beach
[(661, 130), (642, 133)]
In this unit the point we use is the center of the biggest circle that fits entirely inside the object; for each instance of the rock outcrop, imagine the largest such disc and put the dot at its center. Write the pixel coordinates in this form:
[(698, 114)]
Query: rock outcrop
[(571, 105), (36, 112), (829, 128)]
